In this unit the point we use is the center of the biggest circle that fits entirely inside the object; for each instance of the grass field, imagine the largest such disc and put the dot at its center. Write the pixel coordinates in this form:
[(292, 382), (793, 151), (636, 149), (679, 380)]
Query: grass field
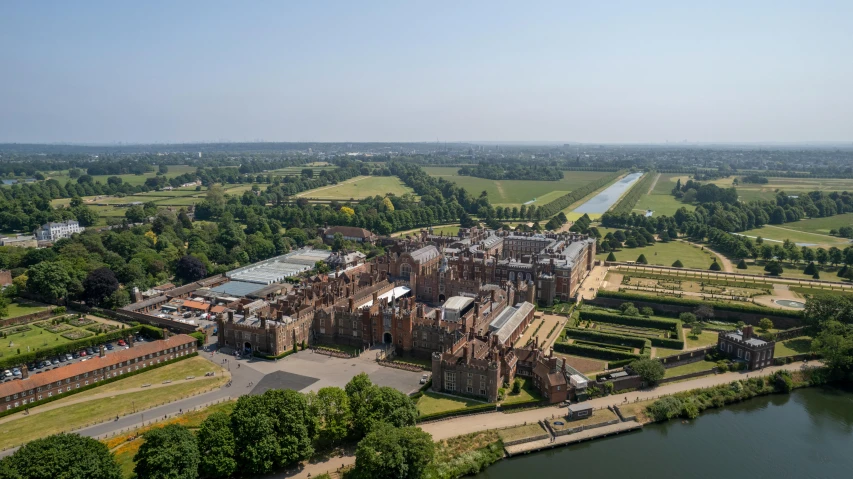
[(821, 226), (665, 254), (793, 346), (660, 200), (791, 186), (778, 234), (360, 187), (26, 428), (521, 432), (446, 230), (432, 403), (174, 170), (827, 272), (689, 368), (21, 307), (517, 192), (707, 338)]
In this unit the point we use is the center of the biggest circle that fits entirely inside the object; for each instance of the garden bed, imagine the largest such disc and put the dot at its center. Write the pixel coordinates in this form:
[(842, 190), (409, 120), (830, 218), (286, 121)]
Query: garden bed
[(77, 334)]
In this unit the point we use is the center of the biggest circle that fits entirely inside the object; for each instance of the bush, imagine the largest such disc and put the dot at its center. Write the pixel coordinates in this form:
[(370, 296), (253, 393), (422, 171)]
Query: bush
[(647, 311), (678, 264), (516, 386), (742, 264), (715, 266), (783, 382), (665, 408), (611, 257), (765, 324), (722, 365)]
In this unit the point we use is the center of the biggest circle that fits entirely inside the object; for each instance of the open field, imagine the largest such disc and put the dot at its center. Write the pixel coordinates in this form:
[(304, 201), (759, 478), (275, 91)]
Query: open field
[(517, 192), (360, 187), (432, 403), (821, 226), (174, 170), (318, 168), (791, 186), (21, 307), (707, 338), (665, 254), (660, 200), (778, 234), (827, 272)]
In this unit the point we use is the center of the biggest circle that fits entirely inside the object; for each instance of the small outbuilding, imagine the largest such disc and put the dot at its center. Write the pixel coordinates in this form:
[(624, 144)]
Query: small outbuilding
[(579, 411)]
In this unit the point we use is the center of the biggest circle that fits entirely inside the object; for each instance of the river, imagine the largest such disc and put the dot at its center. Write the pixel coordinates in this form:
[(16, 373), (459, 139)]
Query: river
[(807, 434), (602, 202)]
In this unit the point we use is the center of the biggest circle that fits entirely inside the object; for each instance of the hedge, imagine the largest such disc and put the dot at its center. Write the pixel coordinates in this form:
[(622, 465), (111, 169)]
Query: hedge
[(609, 338), (273, 358), (67, 347), (458, 412), (672, 325), (593, 352), (151, 332), (94, 385), (693, 303), (199, 338)]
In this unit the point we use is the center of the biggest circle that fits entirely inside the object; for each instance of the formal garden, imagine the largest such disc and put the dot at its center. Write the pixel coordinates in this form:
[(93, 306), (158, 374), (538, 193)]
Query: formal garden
[(676, 286)]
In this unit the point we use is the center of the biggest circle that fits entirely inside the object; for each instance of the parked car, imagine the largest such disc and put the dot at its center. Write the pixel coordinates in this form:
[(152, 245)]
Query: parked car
[(424, 378), (110, 346), (55, 362), (68, 357), (83, 354), (16, 372), (75, 355), (7, 373), (62, 359), (90, 351), (121, 342)]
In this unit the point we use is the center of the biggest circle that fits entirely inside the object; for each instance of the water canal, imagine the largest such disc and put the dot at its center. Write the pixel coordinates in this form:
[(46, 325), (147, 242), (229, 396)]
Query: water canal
[(602, 202), (807, 434)]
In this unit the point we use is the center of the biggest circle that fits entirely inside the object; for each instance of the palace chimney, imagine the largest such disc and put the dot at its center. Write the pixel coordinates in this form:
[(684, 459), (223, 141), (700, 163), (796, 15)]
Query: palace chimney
[(746, 331)]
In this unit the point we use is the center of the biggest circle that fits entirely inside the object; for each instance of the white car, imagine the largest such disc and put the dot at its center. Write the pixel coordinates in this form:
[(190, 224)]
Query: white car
[(7, 373)]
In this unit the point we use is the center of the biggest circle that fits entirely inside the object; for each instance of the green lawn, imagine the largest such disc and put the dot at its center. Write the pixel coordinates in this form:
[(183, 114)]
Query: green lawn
[(174, 170), (778, 234), (660, 200), (821, 225), (21, 307), (707, 338), (664, 352), (53, 421), (793, 346), (791, 186), (527, 393), (517, 192), (446, 230), (360, 187), (689, 368), (432, 403), (827, 272), (33, 340), (664, 254)]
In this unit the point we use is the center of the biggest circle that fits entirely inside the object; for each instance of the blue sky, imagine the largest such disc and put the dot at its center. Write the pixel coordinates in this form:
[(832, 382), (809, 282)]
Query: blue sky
[(419, 71)]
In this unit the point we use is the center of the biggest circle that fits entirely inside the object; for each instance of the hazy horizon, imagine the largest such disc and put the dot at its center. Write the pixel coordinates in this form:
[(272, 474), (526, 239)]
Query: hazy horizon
[(656, 73)]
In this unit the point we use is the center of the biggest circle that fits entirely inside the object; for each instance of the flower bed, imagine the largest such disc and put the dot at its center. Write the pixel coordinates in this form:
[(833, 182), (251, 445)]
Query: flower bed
[(55, 328), (101, 328), (76, 334)]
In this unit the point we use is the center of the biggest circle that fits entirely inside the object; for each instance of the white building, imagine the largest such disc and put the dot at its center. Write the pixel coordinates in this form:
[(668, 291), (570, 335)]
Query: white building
[(55, 231)]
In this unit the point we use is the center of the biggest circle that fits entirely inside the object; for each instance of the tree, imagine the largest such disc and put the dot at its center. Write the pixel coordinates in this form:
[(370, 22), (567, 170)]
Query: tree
[(696, 330), (816, 275), (687, 318), (611, 257), (50, 280), (168, 452), (190, 268), (338, 242), (331, 407), (642, 259), (217, 447), (371, 404), (321, 267), (678, 264), (834, 344), (647, 311), (715, 266), (774, 268), (162, 169), (765, 324), (86, 216), (705, 312), (810, 269), (742, 264), (649, 370), (98, 285), (516, 386), (135, 214), (61, 456), (394, 453)]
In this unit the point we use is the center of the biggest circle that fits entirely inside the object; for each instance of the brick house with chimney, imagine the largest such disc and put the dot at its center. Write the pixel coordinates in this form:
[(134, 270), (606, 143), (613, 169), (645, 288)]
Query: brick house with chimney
[(744, 346)]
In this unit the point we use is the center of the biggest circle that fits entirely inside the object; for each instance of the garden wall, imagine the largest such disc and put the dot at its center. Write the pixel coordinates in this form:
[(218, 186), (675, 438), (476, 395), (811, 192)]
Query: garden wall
[(686, 357), (27, 318), (687, 376)]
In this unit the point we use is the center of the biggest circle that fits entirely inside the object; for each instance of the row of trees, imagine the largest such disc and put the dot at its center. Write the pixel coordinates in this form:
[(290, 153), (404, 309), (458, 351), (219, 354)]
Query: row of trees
[(495, 171)]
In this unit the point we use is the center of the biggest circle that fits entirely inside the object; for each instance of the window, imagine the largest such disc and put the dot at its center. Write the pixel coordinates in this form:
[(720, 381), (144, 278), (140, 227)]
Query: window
[(739, 352), (482, 392), (747, 355), (450, 380)]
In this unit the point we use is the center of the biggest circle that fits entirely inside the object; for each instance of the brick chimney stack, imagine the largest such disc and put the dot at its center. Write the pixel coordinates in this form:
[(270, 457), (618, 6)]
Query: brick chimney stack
[(25, 372), (102, 352), (351, 304), (747, 332)]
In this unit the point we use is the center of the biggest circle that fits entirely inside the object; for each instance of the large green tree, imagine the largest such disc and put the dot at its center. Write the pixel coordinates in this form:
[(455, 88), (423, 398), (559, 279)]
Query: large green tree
[(371, 404), (170, 452), (649, 370), (217, 447), (61, 456), (331, 407), (393, 453), (51, 280)]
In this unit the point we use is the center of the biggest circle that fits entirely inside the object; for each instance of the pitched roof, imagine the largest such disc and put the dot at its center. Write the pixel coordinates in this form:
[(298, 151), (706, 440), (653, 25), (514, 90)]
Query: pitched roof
[(83, 367), (196, 305), (350, 231)]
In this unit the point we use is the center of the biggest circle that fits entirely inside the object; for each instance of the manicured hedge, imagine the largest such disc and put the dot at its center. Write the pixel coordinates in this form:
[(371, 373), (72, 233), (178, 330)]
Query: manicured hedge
[(94, 385), (272, 358), (458, 412), (693, 303), (593, 352), (672, 325), (608, 338), (67, 347), (151, 332)]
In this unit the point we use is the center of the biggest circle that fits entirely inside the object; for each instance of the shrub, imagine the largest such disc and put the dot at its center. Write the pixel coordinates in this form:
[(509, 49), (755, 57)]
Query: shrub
[(647, 311), (715, 266), (741, 264), (678, 264), (765, 324), (687, 318), (516, 386), (611, 257), (642, 259), (722, 365), (665, 408)]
